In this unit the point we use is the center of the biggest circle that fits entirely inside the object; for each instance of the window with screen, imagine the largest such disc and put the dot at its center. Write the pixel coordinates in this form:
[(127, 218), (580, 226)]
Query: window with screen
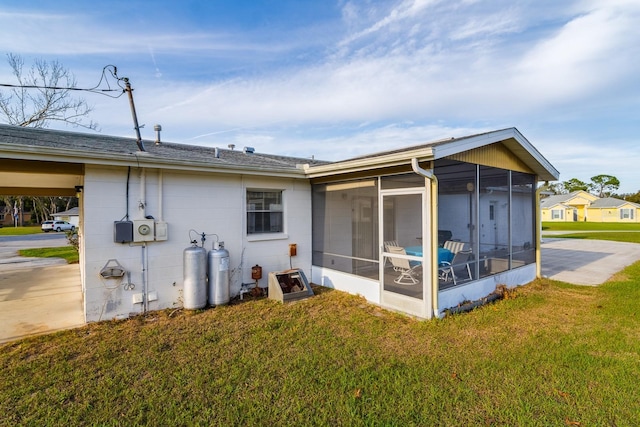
[(264, 211)]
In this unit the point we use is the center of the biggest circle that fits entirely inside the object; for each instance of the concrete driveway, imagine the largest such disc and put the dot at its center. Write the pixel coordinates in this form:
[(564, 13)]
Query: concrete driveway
[(37, 295), (586, 262)]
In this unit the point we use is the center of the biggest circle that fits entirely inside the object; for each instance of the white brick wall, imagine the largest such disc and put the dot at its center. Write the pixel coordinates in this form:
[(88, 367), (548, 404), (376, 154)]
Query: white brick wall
[(206, 203)]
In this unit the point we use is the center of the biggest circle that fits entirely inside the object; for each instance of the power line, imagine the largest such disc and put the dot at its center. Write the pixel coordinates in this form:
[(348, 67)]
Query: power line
[(109, 68)]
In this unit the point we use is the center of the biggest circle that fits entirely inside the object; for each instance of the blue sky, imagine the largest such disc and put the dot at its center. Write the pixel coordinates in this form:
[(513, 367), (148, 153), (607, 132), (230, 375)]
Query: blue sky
[(336, 78)]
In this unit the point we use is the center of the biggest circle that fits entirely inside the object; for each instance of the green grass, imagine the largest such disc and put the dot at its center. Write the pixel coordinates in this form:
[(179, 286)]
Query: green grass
[(614, 236), (555, 354), (619, 232), (589, 226), (69, 253), (20, 231)]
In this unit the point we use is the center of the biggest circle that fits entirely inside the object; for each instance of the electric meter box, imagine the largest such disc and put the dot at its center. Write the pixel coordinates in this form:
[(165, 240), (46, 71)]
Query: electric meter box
[(143, 230)]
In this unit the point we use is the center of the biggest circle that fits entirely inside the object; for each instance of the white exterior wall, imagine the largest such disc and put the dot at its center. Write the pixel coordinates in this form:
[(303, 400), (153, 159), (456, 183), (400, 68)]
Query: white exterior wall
[(209, 203)]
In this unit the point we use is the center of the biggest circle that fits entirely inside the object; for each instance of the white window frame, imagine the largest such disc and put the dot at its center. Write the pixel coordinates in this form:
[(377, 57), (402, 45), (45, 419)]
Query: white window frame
[(626, 213), (557, 213), (273, 209)]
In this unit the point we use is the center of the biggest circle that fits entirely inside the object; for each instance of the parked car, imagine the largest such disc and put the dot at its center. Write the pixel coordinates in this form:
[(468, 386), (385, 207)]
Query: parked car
[(57, 226)]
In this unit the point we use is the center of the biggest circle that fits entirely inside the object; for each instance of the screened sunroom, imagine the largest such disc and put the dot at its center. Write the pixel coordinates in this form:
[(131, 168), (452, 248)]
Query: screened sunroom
[(422, 229)]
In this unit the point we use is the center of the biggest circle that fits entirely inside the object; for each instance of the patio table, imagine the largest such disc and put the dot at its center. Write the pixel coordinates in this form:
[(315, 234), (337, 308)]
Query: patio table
[(444, 255)]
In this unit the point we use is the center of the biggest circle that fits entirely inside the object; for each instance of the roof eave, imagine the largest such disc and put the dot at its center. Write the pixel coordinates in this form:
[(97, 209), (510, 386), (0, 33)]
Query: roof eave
[(140, 159), (514, 141), (363, 164)]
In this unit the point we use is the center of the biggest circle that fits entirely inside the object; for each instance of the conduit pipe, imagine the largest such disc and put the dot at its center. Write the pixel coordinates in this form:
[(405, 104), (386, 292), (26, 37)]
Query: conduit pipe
[(143, 192), (428, 174), (160, 185)]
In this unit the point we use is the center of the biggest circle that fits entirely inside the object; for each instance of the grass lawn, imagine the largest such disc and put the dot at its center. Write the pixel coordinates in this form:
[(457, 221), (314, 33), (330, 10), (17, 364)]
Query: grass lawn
[(595, 231), (589, 226), (553, 354), (69, 253), (19, 231)]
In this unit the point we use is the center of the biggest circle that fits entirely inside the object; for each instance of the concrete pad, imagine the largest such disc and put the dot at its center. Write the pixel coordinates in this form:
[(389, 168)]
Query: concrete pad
[(37, 295), (40, 300), (586, 262)]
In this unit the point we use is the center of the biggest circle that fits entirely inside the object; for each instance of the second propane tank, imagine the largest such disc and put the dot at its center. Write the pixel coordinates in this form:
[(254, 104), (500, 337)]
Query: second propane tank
[(218, 274)]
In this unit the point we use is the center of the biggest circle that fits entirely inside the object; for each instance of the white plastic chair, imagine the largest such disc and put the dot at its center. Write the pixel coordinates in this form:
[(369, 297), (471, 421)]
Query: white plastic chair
[(401, 265)]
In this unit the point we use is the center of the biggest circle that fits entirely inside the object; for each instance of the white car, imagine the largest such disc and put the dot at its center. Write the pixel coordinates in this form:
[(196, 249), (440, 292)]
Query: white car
[(57, 226)]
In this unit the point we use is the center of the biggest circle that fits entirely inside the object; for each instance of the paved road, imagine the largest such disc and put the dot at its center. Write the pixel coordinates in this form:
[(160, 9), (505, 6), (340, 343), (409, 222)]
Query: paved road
[(10, 245)]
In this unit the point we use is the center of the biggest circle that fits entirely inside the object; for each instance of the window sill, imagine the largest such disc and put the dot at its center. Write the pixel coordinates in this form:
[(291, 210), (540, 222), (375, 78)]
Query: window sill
[(266, 236)]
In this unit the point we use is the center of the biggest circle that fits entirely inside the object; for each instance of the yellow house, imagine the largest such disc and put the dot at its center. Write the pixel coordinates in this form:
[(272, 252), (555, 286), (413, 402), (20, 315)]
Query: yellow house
[(611, 209), (567, 207)]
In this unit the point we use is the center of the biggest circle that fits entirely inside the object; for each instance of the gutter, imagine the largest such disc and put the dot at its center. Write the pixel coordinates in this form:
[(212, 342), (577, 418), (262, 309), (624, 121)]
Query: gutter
[(428, 174)]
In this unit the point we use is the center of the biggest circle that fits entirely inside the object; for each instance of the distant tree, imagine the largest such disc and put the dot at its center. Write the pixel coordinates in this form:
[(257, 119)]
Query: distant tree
[(574, 184), (43, 96), (633, 198), (604, 185)]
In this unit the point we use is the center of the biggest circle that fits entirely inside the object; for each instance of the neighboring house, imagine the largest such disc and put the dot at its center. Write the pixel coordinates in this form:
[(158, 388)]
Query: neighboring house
[(8, 216), (566, 207), (477, 190), (610, 209), (72, 216), (583, 206)]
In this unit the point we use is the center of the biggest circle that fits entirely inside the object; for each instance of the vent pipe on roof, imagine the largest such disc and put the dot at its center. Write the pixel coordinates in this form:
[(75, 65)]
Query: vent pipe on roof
[(157, 128), (231, 146), (216, 153)]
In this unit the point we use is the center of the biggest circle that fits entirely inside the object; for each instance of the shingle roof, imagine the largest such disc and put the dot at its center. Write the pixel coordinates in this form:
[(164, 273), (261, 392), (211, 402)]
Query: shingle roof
[(611, 202), (87, 145), (555, 199)]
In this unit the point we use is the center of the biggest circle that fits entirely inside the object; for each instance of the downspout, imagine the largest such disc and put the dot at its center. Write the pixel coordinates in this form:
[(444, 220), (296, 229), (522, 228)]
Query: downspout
[(428, 174), (539, 230)]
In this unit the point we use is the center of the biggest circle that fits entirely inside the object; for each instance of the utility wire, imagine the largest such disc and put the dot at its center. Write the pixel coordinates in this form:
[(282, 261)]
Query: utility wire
[(111, 69)]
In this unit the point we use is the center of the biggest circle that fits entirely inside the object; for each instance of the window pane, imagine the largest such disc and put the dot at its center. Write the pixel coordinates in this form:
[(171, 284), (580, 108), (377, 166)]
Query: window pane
[(264, 211), (494, 218), (523, 224), (345, 226)]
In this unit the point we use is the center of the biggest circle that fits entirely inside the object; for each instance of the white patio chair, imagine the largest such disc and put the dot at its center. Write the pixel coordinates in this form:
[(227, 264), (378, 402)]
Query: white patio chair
[(386, 248), (459, 263), (407, 272)]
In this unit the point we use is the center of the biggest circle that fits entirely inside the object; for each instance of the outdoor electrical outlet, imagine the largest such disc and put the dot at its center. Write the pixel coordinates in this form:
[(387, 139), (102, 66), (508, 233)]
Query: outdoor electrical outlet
[(153, 296), (293, 249), (137, 298)]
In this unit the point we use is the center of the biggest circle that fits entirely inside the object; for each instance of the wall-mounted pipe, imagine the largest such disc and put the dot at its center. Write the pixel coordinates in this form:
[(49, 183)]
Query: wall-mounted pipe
[(143, 192), (160, 191), (428, 174)]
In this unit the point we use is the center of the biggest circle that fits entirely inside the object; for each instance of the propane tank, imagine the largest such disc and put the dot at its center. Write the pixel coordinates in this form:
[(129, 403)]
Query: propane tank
[(218, 275), (195, 278)]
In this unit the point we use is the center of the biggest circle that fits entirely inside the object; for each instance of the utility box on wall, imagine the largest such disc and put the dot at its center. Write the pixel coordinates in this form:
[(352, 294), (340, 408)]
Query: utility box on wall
[(143, 230), (123, 231)]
